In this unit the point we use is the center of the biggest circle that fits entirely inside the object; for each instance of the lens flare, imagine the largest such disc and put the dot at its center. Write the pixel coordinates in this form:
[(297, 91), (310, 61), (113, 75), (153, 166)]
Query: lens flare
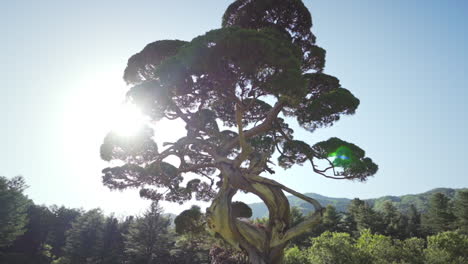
[(128, 120), (342, 157)]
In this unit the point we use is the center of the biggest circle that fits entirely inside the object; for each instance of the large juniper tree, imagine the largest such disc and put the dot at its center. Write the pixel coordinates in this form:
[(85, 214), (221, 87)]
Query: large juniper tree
[(236, 88)]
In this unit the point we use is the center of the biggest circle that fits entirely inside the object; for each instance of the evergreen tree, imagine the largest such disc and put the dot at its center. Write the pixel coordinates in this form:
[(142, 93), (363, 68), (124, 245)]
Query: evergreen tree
[(13, 210), (303, 239), (148, 241), (331, 220), (393, 221), (32, 245), (361, 216), (62, 222), (84, 239), (413, 226), (461, 211), (439, 217), (112, 242), (194, 244)]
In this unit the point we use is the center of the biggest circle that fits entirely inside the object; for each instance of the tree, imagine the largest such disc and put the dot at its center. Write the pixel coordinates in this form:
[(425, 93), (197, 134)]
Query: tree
[(32, 245), (147, 241), (361, 217), (84, 239), (236, 88), (394, 222), (193, 243), (336, 248), (413, 226), (461, 211), (439, 216), (112, 250), (294, 255), (13, 209), (62, 222), (447, 247), (332, 220)]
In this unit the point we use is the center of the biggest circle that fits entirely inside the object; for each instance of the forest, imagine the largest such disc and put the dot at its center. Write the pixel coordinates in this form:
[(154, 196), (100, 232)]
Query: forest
[(32, 233)]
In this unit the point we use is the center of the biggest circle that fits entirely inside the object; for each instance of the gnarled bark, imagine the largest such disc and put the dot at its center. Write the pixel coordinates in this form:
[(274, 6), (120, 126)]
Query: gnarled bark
[(262, 244)]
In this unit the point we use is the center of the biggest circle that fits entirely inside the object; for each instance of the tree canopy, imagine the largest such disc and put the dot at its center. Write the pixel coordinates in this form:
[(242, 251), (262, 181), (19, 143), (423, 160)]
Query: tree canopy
[(13, 209)]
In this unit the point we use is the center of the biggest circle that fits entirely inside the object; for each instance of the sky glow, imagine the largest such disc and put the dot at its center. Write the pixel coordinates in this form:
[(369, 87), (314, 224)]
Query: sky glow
[(62, 88)]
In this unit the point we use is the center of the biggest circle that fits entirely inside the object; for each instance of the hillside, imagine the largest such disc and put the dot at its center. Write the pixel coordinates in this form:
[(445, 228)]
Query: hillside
[(401, 202)]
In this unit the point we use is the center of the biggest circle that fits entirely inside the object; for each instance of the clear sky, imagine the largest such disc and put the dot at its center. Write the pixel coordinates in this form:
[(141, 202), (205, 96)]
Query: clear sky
[(61, 81)]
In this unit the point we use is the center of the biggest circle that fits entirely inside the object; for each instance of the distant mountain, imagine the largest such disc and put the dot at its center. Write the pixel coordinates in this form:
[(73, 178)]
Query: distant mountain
[(341, 204)]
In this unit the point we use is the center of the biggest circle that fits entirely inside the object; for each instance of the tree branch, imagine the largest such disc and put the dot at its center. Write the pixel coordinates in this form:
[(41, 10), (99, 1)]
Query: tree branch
[(323, 172), (246, 149), (195, 167), (312, 201), (302, 227), (263, 127)]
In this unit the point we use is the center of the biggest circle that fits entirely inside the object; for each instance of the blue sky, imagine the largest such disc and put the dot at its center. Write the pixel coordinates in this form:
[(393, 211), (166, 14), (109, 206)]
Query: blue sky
[(62, 66)]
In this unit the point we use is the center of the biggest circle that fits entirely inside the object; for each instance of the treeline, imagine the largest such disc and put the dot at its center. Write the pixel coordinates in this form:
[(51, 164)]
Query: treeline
[(363, 235), (32, 233), (36, 234)]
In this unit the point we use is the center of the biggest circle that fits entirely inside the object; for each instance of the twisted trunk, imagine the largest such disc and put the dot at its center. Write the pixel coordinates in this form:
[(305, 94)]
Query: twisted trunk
[(264, 245)]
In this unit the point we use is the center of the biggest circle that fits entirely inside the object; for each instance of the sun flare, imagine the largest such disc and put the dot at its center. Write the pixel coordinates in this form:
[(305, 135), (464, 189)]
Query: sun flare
[(128, 120)]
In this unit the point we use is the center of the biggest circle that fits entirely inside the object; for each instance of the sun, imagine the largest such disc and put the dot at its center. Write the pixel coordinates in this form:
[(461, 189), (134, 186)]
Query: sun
[(128, 119)]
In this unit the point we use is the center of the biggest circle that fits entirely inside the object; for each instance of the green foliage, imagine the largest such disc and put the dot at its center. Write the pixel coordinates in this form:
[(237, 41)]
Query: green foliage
[(331, 248), (296, 218), (112, 242), (240, 209), (412, 250), (265, 49), (61, 222), (326, 109), (461, 211), (439, 217), (134, 149), (84, 239), (264, 57), (413, 224), (290, 17), (33, 243), (420, 202), (294, 255), (148, 238), (141, 65), (190, 221), (94, 238), (332, 219), (393, 221), (335, 248), (377, 248), (447, 247), (347, 156), (13, 209), (361, 217)]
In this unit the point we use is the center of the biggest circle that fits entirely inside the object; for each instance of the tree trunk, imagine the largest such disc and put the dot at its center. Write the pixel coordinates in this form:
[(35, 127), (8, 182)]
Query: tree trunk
[(263, 244)]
